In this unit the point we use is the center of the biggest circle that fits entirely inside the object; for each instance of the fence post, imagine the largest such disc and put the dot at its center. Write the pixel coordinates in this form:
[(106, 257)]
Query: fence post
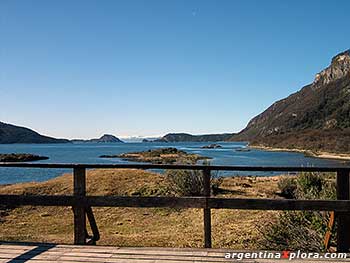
[(343, 218), (207, 212), (79, 210)]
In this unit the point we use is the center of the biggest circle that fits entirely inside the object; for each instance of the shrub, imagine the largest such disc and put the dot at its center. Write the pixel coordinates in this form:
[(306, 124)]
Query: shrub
[(190, 182), (215, 183), (288, 187), (185, 182), (309, 185), (294, 230), (302, 230)]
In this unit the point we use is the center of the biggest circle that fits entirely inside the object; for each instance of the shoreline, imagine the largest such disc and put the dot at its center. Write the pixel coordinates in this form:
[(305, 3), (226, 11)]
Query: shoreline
[(255, 177), (322, 155)]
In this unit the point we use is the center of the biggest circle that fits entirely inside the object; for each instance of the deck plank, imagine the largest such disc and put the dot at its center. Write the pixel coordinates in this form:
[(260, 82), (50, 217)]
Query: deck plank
[(42, 253)]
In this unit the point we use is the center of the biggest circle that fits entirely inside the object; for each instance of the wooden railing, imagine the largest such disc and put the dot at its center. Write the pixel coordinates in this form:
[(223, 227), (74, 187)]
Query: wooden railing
[(82, 203)]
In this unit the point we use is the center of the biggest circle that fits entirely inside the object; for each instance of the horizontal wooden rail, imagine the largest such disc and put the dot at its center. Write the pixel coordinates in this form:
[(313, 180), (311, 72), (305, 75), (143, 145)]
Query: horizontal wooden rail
[(179, 167), (177, 202), (103, 201), (82, 203)]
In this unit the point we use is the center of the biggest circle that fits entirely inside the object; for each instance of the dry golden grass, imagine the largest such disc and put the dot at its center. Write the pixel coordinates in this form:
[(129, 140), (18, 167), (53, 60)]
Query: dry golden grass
[(236, 229)]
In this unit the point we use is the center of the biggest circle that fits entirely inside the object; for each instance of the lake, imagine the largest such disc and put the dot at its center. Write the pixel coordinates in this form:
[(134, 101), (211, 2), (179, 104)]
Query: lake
[(89, 153)]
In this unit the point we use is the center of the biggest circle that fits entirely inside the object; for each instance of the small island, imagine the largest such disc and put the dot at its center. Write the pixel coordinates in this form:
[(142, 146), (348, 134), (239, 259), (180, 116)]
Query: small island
[(21, 157), (243, 150), (160, 156), (212, 146)]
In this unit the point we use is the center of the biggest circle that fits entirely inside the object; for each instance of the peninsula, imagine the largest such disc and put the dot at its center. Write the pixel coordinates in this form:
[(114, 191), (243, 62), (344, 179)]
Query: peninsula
[(106, 138), (186, 137), (15, 134)]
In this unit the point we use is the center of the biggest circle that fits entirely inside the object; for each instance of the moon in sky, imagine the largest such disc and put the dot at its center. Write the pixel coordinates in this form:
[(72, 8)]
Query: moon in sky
[(194, 12)]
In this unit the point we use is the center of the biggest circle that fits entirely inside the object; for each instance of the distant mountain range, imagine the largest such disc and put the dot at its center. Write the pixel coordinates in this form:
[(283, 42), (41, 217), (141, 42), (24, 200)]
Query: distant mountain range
[(316, 118), (14, 134), (106, 138), (185, 137)]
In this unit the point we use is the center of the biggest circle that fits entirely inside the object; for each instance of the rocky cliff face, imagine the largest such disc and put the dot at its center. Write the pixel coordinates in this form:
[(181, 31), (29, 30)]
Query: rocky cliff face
[(14, 134), (338, 69), (315, 118)]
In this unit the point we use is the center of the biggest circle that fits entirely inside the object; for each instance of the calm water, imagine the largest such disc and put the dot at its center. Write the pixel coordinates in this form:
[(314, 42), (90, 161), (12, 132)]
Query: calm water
[(89, 153)]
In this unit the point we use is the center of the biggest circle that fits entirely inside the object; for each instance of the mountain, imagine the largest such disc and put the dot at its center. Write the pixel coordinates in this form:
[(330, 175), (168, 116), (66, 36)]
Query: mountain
[(14, 134), (316, 118), (185, 137), (106, 138)]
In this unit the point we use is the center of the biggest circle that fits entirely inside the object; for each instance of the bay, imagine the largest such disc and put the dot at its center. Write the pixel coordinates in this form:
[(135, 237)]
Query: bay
[(89, 153)]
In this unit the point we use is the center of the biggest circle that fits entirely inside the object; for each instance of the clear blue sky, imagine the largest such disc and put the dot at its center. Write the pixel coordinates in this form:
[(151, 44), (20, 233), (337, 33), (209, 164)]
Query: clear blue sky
[(78, 69)]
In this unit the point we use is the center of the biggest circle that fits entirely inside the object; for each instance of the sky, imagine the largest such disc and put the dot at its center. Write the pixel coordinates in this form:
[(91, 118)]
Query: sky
[(79, 69)]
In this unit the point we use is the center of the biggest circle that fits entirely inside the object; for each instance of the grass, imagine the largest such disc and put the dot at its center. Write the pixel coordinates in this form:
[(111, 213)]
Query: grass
[(236, 229)]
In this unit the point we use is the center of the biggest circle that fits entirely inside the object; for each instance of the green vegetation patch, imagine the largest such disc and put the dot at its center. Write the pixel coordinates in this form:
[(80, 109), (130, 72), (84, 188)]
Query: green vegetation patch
[(160, 156)]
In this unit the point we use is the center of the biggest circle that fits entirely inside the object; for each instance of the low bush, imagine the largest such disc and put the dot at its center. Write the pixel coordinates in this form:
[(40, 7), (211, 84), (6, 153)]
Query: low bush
[(288, 187), (295, 230), (304, 230), (190, 182), (315, 185)]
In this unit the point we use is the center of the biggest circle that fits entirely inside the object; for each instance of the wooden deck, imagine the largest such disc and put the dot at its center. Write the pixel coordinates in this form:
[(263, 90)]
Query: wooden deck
[(42, 253)]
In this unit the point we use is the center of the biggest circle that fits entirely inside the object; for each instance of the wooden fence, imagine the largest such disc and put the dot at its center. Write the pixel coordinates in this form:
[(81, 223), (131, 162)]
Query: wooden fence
[(82, 204)]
